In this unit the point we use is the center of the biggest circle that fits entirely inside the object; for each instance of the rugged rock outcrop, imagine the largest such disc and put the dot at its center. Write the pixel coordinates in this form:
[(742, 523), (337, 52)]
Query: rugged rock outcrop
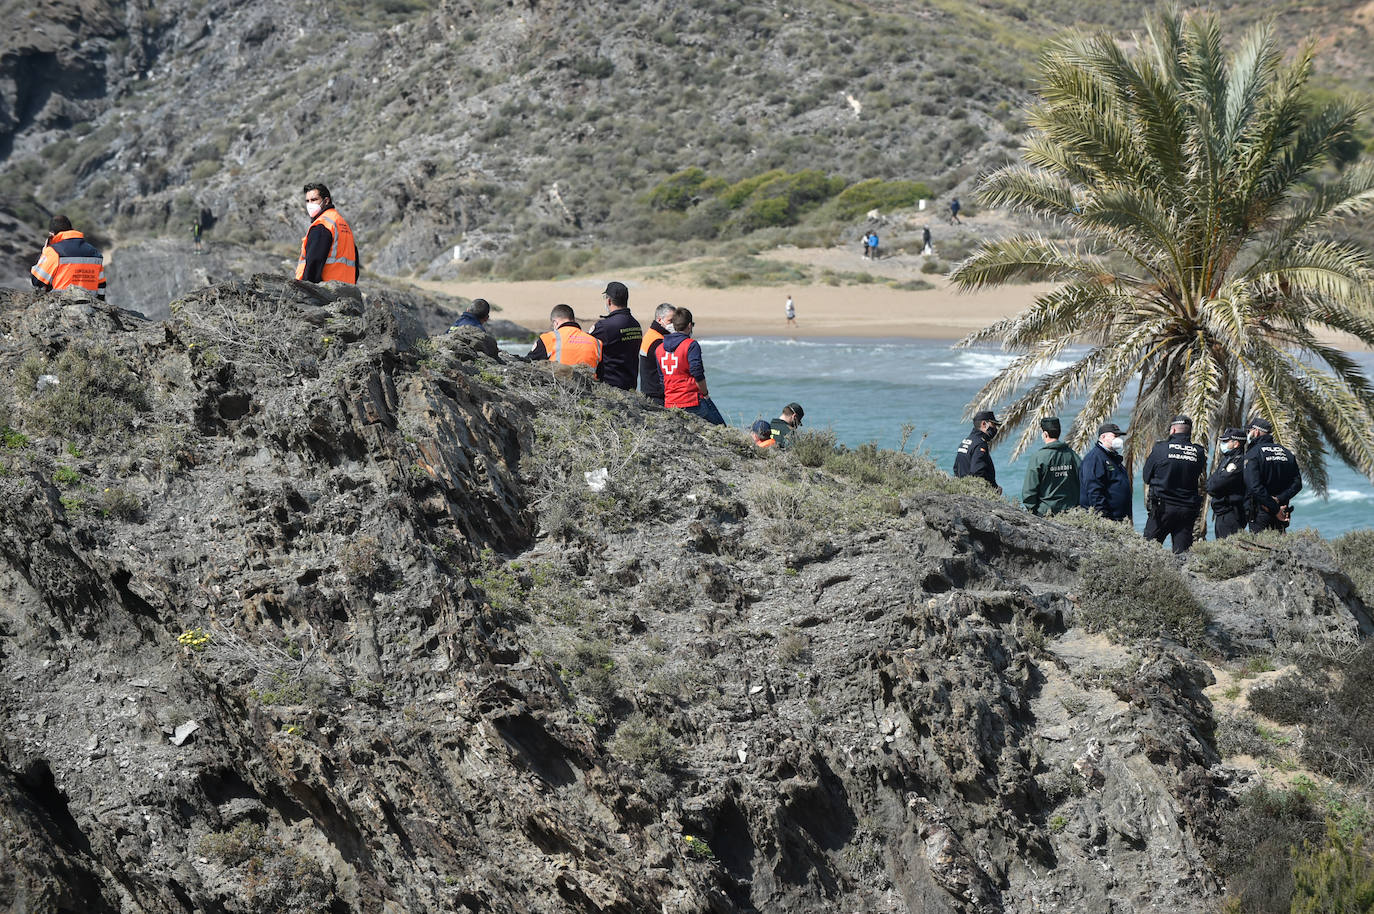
[(300, 610)]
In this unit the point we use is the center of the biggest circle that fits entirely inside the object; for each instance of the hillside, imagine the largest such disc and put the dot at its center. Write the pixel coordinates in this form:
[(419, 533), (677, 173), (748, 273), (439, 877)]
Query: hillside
[(305, 611), (514, 128)]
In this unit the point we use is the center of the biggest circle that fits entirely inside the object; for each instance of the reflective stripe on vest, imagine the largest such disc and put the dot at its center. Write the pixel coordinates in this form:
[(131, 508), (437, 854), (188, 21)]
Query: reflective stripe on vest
[(63, 271), (341, 264), (569, 345), (679, 387)]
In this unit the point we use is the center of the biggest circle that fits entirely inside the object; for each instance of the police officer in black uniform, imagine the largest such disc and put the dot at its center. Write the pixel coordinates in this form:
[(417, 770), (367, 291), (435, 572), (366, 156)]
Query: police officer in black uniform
[(973, 457), (1272, 478), (1226, 485), (1173, 472)]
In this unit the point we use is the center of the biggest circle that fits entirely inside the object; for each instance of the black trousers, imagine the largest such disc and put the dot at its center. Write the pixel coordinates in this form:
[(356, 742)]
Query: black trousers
[(1225, 523), (1263, 520), (1174, 521)]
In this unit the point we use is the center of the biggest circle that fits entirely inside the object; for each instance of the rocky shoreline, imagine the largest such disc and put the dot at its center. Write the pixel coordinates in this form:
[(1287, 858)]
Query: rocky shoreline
[(430, 668)]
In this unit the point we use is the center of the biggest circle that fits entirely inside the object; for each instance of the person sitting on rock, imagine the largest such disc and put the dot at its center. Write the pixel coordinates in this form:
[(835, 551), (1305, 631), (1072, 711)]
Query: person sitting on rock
[(566, 343), (684, 373), (477, 315), (650, 381), (763, 434), (68, 261), (787, 423)]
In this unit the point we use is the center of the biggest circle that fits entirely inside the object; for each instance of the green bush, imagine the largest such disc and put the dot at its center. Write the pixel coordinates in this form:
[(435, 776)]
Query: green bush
[(1224, 559), (1329, 699), (95, 399), (1138, 593), (1355, 553), (857, 199), (1336, 876), (811, 448), (1255, 853), (644, 745)]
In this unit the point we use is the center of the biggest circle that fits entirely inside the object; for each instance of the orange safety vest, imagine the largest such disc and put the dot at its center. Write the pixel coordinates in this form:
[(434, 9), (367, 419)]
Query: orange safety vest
[(571, 345), (75, 264), (767, 442), (651, 336), (342, 263)]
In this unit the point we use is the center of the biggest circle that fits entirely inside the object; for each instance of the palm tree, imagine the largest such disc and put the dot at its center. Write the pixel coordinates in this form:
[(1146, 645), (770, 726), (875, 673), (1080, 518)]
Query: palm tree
[(1204, 267)]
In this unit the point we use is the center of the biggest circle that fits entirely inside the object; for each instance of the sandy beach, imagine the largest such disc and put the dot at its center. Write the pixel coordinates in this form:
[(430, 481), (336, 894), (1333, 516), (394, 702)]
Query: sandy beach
[(870, 311), (823, 311)]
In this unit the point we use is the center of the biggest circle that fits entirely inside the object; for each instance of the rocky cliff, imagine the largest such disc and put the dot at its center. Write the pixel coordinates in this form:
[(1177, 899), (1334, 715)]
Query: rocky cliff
[(301, 610)]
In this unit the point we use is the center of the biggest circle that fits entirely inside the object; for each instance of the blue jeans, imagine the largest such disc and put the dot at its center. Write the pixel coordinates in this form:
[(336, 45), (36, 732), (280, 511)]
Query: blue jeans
[(706, 410)]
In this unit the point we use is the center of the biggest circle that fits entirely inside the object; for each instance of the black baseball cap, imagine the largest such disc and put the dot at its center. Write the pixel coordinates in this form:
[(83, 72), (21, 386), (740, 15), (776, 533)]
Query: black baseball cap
[(1233, 434), (761, 427), (617, 292), (1182, 420), (1110, 427), (1051, 425), (985, 415), (1262, 424)]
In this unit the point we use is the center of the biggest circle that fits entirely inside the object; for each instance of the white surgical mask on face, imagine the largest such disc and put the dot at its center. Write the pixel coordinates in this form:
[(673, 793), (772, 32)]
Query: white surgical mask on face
[(313, 209), (1119, 445)]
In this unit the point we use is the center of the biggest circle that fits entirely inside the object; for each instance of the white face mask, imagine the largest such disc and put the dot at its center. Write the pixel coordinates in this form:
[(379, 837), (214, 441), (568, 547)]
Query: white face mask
[(1228, 447), (313, 209), (1119, 445)]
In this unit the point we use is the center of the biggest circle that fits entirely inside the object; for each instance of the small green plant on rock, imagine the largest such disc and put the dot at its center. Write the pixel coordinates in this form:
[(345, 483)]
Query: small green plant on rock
[(644, 745), (11, 439), (698, 847), (1138, 593), (1224, 559), (120, 503), (96, 395), (66, 476)]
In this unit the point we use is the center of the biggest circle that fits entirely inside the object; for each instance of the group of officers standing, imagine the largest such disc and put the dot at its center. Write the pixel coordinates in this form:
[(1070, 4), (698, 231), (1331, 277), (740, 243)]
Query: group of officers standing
[(1252, 484)]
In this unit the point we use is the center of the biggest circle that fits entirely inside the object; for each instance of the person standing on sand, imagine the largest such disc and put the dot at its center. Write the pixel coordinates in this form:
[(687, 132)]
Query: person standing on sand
[(954, 211), (791, 312), (865, 240)]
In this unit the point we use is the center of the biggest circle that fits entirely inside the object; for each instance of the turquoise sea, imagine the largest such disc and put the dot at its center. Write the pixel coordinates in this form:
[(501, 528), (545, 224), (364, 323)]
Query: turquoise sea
[(865, 390)]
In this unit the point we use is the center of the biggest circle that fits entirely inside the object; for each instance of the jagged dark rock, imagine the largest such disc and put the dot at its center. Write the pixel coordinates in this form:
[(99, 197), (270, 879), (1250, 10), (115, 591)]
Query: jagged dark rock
[(430, 669)]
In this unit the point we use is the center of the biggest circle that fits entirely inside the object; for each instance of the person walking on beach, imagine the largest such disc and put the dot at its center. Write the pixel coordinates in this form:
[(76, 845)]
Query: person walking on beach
[(68, 261), (620, 335), (329, 252), (1105, 484), (1052, 482), (791, 312), (567, 343), (1226, 485), (684, 374), (650, 381), (974, 457), (787, 423), (954, 211), (1272, 478), (1173, 495)]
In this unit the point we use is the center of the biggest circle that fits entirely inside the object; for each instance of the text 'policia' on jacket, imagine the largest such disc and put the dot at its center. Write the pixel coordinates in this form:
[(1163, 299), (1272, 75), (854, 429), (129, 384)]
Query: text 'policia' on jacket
[(69, 261), (1173, 470), (571, 345), (620, 335), (341, 262), (973, 458)]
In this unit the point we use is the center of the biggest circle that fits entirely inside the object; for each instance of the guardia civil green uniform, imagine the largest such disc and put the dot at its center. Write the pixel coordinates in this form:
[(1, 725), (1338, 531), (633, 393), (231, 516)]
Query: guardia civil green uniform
[(1052, 482)]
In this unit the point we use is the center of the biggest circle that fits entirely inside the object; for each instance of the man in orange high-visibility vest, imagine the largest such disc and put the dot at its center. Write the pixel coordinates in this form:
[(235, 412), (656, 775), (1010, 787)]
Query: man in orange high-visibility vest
[(328, 251), (68, 261), (567, 343)]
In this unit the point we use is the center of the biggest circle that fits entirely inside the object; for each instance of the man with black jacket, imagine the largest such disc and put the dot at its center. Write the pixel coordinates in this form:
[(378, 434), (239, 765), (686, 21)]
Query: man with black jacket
[(1226, 485), (1272, 478), (1172, 475), (1106, 486), (650, 381), (974, 457), (620, 335)]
